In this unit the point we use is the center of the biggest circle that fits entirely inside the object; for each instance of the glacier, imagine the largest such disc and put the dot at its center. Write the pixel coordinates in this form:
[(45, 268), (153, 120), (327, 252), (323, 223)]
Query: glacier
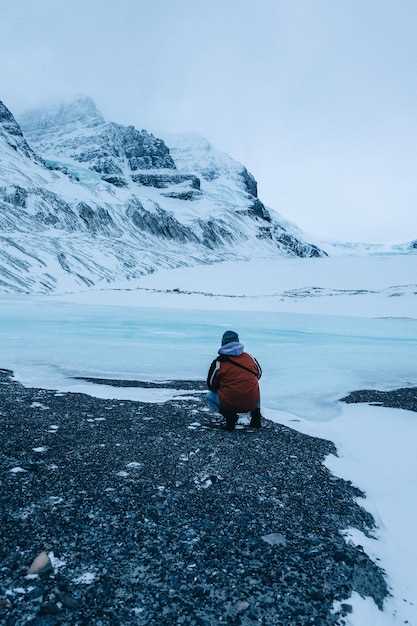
[(309, 361), (86, 202)]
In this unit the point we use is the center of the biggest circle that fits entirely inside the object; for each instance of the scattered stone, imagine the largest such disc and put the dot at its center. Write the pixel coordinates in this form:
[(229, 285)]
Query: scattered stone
[(68, 601), (241, 606), (275, 539), (55, 500), (179, 551), (5, 602), (404, 398), (41, 564), (49, 608)]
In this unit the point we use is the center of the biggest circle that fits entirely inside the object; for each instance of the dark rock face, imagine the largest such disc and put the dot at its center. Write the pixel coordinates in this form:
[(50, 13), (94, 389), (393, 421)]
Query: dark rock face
[(265, 232), (295, 246), (142, 149), (110, 149), (289, 243), (15, 195), (54, 166), (117, 181), (257, 210), (159, 223), (116, 144), (98, 220), (12, 132), (250, 183), (52, 209), (157, 518), (215, 233), (161, 181), (192, 194)]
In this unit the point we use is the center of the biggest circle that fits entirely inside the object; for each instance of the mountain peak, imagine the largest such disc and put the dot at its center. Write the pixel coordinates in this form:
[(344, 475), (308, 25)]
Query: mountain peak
[(82, 110), (81, 107)]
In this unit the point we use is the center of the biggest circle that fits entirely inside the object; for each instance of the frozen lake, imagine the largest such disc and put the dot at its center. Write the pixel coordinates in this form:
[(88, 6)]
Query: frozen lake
[(309, 361)]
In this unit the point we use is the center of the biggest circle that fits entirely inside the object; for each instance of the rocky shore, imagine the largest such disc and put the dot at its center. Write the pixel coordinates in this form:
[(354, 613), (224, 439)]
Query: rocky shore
[(151, 517), (404, 398)]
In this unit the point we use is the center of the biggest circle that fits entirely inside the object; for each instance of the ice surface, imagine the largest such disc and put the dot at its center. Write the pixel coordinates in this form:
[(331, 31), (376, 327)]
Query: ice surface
[(372, 286), (309, 361), (269, 276)]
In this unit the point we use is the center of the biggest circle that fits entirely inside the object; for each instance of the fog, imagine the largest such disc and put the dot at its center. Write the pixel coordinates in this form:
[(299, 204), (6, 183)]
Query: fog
[(318, 98)]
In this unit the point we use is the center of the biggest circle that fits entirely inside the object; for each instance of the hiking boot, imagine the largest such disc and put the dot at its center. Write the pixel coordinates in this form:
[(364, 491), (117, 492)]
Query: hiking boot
[(231, 421), (255, 419)]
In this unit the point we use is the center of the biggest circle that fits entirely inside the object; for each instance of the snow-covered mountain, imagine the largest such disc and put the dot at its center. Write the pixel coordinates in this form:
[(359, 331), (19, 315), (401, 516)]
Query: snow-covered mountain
[(88, 202), (355, 248)]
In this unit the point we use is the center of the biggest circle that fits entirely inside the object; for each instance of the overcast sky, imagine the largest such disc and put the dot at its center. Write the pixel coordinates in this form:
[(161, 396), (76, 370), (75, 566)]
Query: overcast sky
[(317, 97)]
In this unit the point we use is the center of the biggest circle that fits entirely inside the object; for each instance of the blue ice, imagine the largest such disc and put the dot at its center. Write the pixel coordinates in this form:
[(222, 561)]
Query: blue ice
[(309, 361)]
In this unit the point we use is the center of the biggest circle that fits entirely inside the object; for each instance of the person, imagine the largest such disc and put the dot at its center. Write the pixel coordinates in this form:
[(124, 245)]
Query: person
[(233, 382)]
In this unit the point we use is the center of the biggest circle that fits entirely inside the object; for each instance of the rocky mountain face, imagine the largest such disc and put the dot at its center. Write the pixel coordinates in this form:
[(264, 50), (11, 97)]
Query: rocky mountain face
[(79, 132), (11, 133), (85, 202)]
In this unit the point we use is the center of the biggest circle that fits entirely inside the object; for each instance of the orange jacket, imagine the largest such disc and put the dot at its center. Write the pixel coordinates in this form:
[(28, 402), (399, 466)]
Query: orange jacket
[(235, 378)]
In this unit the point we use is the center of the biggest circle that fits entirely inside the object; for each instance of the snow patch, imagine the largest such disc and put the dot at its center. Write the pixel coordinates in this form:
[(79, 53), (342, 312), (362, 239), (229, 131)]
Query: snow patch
[(376, 451), (85, 579)]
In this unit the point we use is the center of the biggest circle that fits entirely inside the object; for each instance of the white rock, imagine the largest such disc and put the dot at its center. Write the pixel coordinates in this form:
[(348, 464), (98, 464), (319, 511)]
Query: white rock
[(41, 562), (275, 539)]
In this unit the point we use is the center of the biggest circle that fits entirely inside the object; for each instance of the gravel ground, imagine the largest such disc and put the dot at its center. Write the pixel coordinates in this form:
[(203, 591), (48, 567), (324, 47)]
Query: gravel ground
[(185, 385), (405, 398), (153, 518)]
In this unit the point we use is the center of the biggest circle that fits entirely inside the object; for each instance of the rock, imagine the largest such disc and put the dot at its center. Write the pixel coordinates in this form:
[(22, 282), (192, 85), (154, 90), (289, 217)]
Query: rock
[(192, 194), (159, 222), (317, 595), (49, 608), (241, 606), (181, 552), (13, 133), (293, 245), (250, 183), (275, 539), (105, 147), (41, 564), (68, 600), (161, 181), (5, 603)]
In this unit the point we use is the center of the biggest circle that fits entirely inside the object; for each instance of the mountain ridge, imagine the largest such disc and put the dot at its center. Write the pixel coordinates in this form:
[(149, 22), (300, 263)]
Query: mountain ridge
[(85, 201)]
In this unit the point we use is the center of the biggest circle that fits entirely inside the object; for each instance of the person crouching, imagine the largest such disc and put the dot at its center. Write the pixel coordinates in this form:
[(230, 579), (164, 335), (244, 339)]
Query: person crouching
[(233, 381)]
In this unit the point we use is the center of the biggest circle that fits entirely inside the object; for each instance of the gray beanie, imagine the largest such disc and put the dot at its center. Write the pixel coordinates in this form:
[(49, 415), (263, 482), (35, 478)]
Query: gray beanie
[(230, 337)]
